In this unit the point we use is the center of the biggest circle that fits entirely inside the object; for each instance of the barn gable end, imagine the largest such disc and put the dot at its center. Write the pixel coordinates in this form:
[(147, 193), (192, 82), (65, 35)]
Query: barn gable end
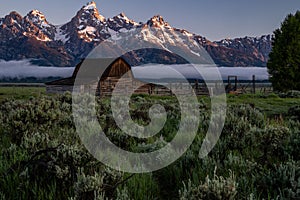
[(119, 71)]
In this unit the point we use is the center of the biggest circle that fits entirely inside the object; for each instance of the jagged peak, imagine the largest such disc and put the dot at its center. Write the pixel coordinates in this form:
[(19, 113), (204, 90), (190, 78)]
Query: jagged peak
[(158, 21), (91, 9), (157, 18), (36, 16), (246, 39), (186, 32), (122, 15), (15, 13), (13, 16), (36, 13), (265, 37), (90, 6), (124, 18)]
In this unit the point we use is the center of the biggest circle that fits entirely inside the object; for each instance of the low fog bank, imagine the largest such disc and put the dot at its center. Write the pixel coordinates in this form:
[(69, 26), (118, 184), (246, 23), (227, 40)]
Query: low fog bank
[(192, 71), (24, 69)]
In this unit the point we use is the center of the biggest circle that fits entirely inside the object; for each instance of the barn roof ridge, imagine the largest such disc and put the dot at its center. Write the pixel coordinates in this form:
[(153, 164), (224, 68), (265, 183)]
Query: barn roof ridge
[(71, 80)]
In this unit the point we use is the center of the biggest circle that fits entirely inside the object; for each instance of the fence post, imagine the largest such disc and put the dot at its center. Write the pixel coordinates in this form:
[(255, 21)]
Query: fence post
[(253, 84)]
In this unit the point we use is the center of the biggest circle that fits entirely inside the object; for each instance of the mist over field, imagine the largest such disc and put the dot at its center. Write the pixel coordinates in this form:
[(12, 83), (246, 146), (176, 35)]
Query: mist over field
[(23, 69), (189, 71)]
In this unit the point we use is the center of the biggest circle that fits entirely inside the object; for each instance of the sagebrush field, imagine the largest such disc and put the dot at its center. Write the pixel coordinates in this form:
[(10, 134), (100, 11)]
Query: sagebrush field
[(257, 156)]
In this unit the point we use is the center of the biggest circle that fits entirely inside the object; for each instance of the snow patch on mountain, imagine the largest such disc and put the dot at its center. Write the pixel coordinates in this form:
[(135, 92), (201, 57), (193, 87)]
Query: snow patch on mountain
[(38, 18), (88, 30), (126, 20), (158, 22), (60, 35), (15, 22), (44, 39)]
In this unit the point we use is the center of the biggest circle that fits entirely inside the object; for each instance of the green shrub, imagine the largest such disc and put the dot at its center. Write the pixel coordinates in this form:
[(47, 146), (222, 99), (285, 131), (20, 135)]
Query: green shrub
[(236, 135), (292, 148), (217, 187), (294, 112), (290, 94), (139, 187), (272, 141), (282, 181)]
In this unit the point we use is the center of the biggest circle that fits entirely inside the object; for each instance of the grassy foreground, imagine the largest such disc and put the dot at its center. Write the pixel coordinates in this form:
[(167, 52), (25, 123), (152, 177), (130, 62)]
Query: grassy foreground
[(21, 92), (42, 157), (270, 104)]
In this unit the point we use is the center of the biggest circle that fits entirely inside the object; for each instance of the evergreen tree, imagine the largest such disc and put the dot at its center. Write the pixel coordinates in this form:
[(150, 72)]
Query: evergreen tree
[(284, 62)]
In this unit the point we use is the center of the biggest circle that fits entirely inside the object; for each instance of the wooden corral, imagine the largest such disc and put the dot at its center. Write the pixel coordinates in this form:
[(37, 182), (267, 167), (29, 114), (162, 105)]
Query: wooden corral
[(234, 86)]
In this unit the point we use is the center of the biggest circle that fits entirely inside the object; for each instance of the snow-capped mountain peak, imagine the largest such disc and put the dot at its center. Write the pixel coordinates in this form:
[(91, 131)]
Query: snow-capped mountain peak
[(33, 37), (90, 6), (122, 15), (14, 15), (121, 21), (158, 22), (90, 9), (12, 19), (87, 25), (38, 18), (125, 19), (38, 14)]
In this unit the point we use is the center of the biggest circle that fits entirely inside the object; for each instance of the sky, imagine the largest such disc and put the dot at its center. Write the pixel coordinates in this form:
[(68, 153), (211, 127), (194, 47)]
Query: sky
[(213, 19)]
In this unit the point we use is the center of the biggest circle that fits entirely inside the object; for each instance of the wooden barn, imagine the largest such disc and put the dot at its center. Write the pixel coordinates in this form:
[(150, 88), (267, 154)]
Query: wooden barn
[(118, 72)]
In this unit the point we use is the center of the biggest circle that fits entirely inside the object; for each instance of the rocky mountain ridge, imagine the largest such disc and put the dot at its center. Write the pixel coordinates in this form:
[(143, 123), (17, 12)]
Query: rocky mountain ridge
[(33, 37)]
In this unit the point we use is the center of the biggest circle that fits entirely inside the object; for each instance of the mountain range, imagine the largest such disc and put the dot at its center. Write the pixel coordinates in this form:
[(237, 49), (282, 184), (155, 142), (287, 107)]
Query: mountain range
[(33, 37)]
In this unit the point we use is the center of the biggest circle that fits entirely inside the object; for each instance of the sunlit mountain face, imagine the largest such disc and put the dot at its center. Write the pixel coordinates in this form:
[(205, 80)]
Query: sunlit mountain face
[(33, 37)]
